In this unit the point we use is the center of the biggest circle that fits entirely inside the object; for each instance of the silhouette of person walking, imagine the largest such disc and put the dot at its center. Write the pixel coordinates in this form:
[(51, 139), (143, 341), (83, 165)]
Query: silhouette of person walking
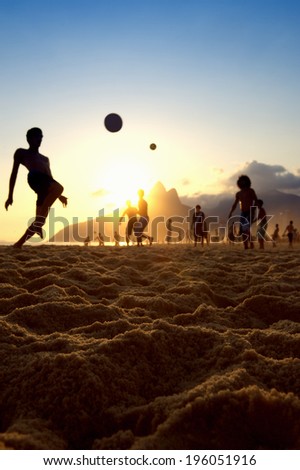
[(198, 226), (290, 229), (143, 221), (169, 231), (131, 213), (39, 179), (275, 236)]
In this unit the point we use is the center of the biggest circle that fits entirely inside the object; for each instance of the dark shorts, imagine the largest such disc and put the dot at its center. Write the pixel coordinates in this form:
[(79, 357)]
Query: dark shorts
[(130, 226), (140, 226), (40, 183), (198, 229), (245, 221)]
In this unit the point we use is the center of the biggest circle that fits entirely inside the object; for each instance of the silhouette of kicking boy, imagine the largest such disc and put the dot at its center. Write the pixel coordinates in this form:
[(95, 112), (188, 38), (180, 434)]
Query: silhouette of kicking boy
[(247, 199), (39, 179), (143, 221)]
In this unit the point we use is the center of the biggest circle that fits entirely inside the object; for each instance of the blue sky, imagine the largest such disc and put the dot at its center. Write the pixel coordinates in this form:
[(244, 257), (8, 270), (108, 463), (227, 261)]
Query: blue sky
[(214, 83)]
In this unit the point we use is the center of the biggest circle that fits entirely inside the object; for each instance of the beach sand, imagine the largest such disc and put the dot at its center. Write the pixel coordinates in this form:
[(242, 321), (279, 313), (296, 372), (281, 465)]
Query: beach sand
[(162, 347)]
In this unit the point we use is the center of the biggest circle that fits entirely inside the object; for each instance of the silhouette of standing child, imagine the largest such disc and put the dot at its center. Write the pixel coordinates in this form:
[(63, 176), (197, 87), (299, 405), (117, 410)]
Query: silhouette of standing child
[(100, 239), (39, 179), (87, 241), (247, 199), (117, 238), (275, 236)]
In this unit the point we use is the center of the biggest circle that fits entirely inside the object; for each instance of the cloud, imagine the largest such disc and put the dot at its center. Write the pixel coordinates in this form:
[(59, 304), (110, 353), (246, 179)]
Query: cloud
[(218, 171), (267, 177), (185, 182), (264, 178), (100, 193)]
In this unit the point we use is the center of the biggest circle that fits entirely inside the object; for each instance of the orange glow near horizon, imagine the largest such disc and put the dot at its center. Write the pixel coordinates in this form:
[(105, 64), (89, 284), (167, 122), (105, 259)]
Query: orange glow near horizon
[(121, 180)]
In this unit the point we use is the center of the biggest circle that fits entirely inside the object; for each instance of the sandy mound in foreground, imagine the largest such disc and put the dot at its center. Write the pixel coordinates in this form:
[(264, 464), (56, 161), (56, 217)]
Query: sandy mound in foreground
[(162, 347)]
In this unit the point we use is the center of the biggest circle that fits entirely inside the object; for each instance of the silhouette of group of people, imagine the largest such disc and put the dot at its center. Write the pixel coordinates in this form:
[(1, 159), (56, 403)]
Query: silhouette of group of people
[(248, 202), (138, 220), (48, 190), (252, 210), (290, 230)]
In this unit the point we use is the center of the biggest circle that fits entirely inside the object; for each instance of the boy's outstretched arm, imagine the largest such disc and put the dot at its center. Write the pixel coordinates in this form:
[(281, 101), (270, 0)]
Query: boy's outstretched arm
[(12, 180)]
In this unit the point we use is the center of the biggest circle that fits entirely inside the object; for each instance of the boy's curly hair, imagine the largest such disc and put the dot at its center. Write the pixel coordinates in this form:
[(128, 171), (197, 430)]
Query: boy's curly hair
[(244, 182)]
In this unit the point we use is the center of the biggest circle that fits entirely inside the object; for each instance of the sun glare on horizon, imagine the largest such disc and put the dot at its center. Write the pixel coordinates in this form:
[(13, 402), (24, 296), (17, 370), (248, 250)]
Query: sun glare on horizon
[(121, 180)]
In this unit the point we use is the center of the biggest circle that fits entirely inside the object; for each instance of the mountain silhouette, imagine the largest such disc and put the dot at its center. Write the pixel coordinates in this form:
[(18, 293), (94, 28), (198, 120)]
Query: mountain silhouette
[(162, 205), (165, 203)]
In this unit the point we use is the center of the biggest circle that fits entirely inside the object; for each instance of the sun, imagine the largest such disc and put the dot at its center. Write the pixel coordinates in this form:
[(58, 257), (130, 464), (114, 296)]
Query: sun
[(122, 179)]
